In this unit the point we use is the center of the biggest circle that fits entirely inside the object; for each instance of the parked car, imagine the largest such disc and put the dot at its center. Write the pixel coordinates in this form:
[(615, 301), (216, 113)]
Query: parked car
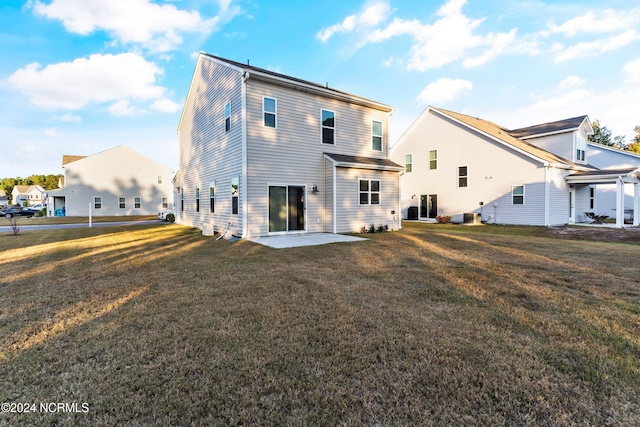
[(37, 207), (16, 211), (167, 215)]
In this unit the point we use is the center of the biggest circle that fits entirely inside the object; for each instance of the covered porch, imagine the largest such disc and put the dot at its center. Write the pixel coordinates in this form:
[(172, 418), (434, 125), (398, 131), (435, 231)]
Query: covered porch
[(619, 177)]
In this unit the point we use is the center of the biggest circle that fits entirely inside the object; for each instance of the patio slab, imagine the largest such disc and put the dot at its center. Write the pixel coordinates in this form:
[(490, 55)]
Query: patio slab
[(296, 240)]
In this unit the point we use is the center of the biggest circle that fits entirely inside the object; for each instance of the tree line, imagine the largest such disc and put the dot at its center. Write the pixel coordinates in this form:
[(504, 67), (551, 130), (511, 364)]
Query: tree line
[(48, 182), (602, 135)]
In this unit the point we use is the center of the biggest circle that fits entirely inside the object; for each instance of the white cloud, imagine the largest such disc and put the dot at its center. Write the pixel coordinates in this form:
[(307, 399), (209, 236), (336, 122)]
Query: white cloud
[(157, 27), (448, 39), (122, 108), (632, 71), (444, 90), (372, 15), (165, 105), (97, 79), (595, 48), (68, 118), (602, 22), (571, 81), (53, 132)]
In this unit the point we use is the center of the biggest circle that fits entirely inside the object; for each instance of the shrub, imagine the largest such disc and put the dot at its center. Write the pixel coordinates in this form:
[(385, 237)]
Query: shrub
[(443, 219), (372, 228), (363, 229), (380, 229)]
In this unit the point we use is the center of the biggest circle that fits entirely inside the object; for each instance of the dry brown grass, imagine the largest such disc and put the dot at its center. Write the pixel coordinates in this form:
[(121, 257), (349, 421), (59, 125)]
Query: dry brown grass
[(433, 325)]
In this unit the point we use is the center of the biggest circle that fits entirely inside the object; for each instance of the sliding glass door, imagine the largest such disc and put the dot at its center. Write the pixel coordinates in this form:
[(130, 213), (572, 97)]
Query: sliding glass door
[(286, 208)]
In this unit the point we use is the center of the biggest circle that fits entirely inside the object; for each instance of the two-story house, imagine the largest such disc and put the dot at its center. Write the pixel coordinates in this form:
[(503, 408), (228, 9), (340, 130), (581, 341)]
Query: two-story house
[(27, 195), (262, 153), (538, 175), (114, 182)]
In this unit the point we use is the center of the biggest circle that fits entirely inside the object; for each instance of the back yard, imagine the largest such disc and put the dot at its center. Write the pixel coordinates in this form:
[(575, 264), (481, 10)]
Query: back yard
[(433, 325)]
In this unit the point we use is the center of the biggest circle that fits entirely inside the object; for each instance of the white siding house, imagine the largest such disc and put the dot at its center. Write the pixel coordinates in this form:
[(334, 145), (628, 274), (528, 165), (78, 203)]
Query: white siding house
[(604, 196), (262, 153), (28, 195), (459, 164), (118, 181)]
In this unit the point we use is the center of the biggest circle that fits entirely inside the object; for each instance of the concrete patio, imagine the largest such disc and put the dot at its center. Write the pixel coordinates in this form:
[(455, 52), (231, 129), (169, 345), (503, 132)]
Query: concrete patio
[(297, 240)]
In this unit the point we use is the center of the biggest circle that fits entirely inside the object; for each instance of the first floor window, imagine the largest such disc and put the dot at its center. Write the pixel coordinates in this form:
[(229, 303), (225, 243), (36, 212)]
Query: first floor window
[(159, 179), (592, 197), (369, 192), (517, 194), (212, 196), (182, 199), (165, 203), (197, 197), (234, 195), (122, 204), (97, 202), (408, 162), (462, 176), (137, 202), (376, 135)]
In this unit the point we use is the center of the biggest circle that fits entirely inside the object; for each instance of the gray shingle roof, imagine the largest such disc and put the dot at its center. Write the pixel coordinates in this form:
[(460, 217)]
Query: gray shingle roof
[(546, 128), (364, 161)]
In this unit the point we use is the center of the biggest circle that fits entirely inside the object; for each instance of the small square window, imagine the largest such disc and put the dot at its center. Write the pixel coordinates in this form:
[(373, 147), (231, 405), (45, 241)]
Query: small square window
[(517, 194)]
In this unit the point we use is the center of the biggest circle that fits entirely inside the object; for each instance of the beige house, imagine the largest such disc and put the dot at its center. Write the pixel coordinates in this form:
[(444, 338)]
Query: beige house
[(539, 175), (118, 181), (262, 153), (27, 194)]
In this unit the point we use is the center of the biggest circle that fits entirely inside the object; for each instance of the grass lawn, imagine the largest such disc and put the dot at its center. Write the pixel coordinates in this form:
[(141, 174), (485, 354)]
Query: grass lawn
[(432, 325)]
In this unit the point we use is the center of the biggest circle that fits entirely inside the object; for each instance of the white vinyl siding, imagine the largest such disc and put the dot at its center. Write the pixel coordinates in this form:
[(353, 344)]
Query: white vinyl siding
[(207, 151), (560, 144), (291, 154), (492, 169)]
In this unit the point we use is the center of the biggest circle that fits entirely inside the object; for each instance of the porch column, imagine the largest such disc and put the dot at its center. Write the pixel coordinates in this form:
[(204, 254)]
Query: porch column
[(636, 205), (619, 203)]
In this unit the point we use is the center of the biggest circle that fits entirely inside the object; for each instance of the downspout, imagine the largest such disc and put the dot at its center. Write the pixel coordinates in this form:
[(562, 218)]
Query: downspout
[(243, 191), (335, 202), (546, 195)]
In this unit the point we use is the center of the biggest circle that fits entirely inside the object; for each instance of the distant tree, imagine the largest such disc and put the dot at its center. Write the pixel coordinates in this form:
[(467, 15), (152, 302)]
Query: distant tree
[(618, 142), (634, 145), (601, 135)]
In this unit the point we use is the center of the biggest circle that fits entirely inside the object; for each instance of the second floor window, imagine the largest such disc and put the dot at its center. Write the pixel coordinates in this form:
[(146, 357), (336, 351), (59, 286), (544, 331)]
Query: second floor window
[(581, 149), (328, 127), (376, 135), (227, 117), (97, 202), (269, 108), (137, 201), (462, 176), (408, 162), (433, 159), (122, 203)]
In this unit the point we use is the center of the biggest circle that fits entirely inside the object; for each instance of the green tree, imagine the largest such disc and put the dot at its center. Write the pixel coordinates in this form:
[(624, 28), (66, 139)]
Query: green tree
[(634, 146), (601, 135)]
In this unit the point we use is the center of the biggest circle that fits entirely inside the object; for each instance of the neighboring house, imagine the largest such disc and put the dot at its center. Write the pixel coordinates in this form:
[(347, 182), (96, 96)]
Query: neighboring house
[(3, 198), (262, 153), (604, 157), (118, 181), (539, 175), (29, 194)]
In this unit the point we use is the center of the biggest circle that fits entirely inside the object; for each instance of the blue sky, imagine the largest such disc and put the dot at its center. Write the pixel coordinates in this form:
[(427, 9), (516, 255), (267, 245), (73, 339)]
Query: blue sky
[(82, 76)]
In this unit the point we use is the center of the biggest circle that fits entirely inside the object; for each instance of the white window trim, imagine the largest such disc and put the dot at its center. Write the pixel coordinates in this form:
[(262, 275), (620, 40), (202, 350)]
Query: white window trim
[(228, 117), (322, 127), (410, 163), (518, 195), (236, 195), (463, 176), (122, 201), (275, 113), (369, 192), (381, 136), (429, 160), (212, 185)]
